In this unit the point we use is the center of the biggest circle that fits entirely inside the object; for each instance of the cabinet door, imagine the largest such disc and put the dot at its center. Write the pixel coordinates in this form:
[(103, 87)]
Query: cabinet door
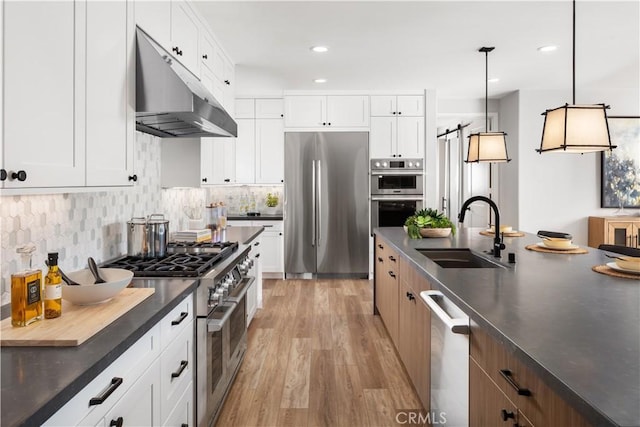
[(407, 328), (40, 39), (245, 147), (305, 111), (488, 406), (154, 17), (184, 36), (228, 98), (245, 108), (207, 52), (410, 137), (411, 105), (110, 93), (217, 161), (621, 233), (383, 105), (272, 254), (176, 371), (269, 109), (206, 161), (348, 111), (382, 137), (140, 406), (182, 414), (269, 151)]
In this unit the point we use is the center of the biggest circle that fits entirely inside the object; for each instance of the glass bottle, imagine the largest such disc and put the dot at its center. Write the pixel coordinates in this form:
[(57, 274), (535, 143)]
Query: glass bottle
[(52, 289), (26, 290)]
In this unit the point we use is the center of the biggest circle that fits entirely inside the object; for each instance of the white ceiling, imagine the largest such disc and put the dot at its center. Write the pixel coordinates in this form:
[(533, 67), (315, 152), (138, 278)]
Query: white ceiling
[(397, 45)]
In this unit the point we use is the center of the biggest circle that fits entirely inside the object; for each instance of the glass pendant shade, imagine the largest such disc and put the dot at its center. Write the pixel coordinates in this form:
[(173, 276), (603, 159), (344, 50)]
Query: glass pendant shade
[(487, 147), (576, 129)]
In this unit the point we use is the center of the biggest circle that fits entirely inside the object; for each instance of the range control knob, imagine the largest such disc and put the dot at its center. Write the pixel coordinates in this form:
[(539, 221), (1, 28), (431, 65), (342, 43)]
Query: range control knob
[(417, 164), (410, 164), (384, 164), (377, 164)]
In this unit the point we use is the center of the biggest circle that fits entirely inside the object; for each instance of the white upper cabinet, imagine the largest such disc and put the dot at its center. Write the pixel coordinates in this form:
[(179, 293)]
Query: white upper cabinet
[(110, 93), (333, 111), (207, 51), (397, 105), (39, 41), (154, 17), (217, 161), (269, 109), (410, 137), (383, 137), (245, 108), (245, 152), (184, 35), (269, 151)]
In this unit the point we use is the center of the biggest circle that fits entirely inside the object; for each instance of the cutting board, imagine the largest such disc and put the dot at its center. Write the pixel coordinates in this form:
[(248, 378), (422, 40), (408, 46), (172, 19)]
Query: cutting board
[(77, 324)]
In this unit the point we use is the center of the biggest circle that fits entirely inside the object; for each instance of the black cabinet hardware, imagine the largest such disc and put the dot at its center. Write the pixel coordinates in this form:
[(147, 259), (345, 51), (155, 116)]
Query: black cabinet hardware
[(3, 174), (393, 112), (410, 296), (204, 179), (279, 234), (256, 244), (329, 123), (20, 175), (506, 415), (392, 274), (392, 258), (115, 383), (227, 180), (177, 50), (380, 259), (184, 425), (205, 56), (183, 366), (227, 82), (282, 180), (133, 178), (380, 246), (117, 423), (257, 255), (179, 320), (399, 112), (324, 123), (281, 115), (399, 155), (393, 155), (508, 376)]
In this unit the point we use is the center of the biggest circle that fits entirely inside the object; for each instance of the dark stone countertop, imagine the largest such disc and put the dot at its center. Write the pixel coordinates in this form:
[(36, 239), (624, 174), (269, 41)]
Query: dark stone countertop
[(577, 329), (261, 217), (37, 381), (242, 234)]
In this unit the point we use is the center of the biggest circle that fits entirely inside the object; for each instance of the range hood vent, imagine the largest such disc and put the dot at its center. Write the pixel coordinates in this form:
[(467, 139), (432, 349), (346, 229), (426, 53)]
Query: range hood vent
[(170, 101)]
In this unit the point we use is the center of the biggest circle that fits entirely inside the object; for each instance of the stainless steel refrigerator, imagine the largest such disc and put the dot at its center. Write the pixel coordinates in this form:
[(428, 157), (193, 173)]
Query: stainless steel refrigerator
[(326, 204)]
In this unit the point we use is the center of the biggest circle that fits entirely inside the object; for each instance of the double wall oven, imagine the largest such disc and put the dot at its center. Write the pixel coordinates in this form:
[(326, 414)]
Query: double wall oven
[(221, 311), (397, 190)]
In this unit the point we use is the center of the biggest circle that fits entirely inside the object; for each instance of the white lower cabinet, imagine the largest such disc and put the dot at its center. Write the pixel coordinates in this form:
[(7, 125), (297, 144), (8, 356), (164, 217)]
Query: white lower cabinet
[(254, 293), (272, 253), (147, 385)]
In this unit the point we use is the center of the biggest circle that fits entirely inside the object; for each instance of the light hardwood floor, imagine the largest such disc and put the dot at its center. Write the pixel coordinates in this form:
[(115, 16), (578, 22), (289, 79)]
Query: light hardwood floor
[(317, 356)]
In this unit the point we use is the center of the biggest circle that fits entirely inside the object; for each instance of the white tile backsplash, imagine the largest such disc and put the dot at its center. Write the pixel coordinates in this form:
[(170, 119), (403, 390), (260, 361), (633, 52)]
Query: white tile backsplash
[(79, 225)]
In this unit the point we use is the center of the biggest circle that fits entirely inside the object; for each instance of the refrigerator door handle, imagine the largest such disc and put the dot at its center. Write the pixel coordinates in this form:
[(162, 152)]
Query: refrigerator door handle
[(319, 222), (313, 202)]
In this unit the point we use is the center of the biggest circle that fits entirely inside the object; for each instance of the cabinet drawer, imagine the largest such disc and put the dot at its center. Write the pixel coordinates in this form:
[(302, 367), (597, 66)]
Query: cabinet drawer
[(179, 318), (269, 225), (127, 367), (535, 400), (176, 370), (182, 414)]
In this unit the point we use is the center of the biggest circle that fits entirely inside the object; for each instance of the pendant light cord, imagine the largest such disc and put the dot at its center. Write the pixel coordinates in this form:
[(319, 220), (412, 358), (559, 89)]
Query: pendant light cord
[(574, 52), (486, 91)]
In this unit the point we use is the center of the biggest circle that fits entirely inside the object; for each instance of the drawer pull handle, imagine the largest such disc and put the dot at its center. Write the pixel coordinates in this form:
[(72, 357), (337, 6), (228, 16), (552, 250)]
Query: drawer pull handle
[(183, 366), (380, 259), (117, 423), (506, 415), (256, 244), (257, 255), (183, 316), (115, 383), (506, 374), (392, 258), (392, 274), (380, 246)]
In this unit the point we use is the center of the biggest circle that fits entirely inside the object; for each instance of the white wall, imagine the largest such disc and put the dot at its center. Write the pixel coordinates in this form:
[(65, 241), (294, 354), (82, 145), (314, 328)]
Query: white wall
[(509, 172), (560, 191), (252, 81)]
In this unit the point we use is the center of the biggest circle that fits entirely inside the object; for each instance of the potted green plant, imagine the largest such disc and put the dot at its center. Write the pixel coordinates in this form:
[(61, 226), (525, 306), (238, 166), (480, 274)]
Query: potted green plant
[(272, 201), (429, 223)]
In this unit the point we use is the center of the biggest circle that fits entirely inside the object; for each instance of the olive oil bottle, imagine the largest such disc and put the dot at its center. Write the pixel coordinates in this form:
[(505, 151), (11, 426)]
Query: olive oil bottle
[(52, 288), (26, 291)]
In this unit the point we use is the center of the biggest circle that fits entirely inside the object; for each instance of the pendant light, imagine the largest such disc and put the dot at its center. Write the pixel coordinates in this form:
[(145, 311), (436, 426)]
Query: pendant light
[(487, 146), (575, 128)]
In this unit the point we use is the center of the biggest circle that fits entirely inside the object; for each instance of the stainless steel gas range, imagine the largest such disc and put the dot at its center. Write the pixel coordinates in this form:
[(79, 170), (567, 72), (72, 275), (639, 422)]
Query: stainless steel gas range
[(221, 311)]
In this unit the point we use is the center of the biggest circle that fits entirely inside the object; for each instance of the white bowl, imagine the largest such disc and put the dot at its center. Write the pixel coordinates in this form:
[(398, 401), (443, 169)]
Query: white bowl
[(628, 262), (503, 228), (556, 243), (89, 293)]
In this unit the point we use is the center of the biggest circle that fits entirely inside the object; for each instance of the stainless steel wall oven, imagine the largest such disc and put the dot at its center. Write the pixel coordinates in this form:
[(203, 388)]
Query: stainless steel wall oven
[(397, 191)]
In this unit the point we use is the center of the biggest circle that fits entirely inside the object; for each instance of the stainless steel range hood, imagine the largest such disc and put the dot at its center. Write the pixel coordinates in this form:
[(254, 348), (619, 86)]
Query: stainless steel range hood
[(170, 101)]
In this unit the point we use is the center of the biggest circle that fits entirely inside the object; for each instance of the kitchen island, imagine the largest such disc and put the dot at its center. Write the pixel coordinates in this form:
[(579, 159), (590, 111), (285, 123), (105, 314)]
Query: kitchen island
[(575, 329)]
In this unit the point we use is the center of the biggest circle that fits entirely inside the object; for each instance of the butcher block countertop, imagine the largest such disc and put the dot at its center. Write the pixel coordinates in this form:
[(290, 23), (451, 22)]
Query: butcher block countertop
[(578, 330), (36, 382)]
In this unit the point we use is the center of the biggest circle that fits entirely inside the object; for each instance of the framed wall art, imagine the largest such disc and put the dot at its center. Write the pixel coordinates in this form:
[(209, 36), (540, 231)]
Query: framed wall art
[(620, 171)]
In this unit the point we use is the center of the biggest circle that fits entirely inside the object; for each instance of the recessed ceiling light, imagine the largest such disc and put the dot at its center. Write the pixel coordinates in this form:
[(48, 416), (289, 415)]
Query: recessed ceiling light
[(550, 48), (319, 49), (320, 80), (494, 80)]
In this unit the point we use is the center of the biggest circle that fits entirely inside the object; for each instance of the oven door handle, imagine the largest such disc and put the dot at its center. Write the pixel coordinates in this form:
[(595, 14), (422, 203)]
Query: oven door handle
[(246, 284), (396, 172), (215, 325), (395, 198)]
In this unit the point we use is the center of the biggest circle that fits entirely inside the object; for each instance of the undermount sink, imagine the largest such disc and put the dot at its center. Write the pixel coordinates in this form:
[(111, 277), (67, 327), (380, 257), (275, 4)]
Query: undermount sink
[(458, 258)]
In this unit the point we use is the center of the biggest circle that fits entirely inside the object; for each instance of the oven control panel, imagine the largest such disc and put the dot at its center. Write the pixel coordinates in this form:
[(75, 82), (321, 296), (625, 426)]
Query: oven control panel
[(396, 164), (224, 287)]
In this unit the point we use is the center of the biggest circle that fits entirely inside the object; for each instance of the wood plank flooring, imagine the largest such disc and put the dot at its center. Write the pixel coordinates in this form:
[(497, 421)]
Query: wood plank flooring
[(317, 356)]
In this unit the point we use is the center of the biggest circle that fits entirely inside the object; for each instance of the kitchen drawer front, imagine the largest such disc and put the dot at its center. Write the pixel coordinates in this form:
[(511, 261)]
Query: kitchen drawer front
[(412, 277), (269, 225), (542, 407), (176, 370), (128, 367), (178, 319), (182, 414)]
